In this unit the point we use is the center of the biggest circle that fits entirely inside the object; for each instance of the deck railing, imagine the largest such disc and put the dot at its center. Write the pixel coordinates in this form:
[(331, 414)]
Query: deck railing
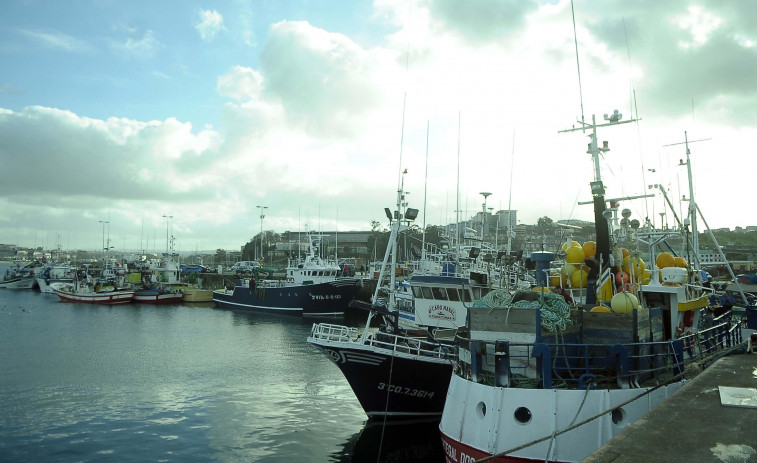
[(397, 343), (578, 366)]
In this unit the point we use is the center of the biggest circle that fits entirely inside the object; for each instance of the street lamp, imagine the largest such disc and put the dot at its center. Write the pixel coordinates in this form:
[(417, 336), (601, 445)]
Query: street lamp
[(485, 194), (262, 216), (167, 217), (103, 222)]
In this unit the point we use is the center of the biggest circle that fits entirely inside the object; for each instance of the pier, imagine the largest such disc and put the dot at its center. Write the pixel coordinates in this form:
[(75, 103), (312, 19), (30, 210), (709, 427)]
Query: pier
[(693, 424)]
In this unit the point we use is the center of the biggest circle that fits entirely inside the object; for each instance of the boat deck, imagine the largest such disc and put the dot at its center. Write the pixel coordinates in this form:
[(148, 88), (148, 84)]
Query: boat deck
[(693, 425)]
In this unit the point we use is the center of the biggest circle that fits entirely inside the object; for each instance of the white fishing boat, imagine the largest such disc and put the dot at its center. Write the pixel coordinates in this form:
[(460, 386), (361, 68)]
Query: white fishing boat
[(544, 380), (88, 294), (58, 273), (19, 278)]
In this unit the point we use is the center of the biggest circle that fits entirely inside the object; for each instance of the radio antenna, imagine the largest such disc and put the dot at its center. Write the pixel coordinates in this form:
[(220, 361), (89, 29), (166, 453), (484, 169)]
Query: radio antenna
[(578, 65)]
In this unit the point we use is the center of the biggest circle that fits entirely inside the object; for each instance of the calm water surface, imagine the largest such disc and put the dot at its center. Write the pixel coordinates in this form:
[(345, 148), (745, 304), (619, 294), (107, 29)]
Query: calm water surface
[(182, 383)]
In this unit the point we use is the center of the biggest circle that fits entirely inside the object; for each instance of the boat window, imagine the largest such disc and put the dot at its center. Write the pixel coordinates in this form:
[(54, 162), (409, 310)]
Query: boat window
[(417, 292), (440, 294), (426, 292), (466, 295), (453, 294), (522, 415)]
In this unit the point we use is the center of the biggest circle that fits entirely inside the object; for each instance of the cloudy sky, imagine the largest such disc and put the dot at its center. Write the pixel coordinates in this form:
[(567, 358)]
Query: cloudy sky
[(127, 112)]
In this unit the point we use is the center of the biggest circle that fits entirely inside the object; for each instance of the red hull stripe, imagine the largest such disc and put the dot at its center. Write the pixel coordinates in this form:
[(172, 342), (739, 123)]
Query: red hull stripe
[(457, 452)]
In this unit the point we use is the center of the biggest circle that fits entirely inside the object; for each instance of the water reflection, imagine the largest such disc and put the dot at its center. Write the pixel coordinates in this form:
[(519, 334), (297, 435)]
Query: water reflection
[(181, 383), (393, 442)]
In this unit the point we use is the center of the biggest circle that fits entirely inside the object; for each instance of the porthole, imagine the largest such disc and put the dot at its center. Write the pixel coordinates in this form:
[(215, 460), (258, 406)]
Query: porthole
[(618, 415), (522, 415), (481, 409)]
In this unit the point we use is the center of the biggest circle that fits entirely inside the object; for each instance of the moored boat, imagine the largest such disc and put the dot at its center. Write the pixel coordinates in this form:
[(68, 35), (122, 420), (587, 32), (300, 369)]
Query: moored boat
[(543, 380), (51, 274), (157, 296), (197, 295), (401, 369), (312, 287), (19, 278), (85, 294)]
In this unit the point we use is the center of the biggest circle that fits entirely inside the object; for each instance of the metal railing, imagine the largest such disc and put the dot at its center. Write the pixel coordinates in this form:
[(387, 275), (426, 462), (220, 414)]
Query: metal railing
[(397, 343), (579, 365)]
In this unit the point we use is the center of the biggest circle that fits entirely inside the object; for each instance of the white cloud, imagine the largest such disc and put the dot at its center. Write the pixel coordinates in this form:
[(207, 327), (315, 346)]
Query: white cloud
[(240, 83), (324, 81), (211, 22), (143, 46), (698, 22), (57, 40), (318, 124)]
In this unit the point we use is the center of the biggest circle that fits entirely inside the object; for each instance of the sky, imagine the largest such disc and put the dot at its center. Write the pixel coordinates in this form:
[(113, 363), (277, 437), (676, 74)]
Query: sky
[(127, 120)]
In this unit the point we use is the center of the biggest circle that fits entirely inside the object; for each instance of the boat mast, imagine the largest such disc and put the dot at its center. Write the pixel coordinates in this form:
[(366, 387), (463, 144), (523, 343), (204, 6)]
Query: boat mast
[(597, 187), (692, 219), (395, 222), (425, 190)]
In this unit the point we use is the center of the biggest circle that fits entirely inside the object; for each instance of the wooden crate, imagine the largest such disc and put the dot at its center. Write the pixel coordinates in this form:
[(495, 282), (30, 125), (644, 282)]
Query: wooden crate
[(511, 320), (519, 321), (611, 328)]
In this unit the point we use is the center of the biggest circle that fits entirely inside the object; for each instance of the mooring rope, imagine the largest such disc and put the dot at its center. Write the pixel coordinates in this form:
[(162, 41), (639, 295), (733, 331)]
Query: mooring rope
[(555, 312), (578, 425)]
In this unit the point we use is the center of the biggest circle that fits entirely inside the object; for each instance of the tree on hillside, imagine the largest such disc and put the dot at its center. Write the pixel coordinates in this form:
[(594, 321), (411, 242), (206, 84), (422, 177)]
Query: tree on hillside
[(545, 224)]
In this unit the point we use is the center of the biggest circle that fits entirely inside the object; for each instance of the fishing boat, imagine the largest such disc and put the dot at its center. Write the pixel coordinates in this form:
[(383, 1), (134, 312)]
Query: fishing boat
[(157, 295), (84, 293), (401, 369), (51, 274), (19, 278), (312, 287), (544, 380), (197, 295)]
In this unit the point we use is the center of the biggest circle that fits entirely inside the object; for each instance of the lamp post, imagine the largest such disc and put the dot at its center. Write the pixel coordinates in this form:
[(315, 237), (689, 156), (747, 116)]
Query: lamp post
[(262, 216), (103, 222), (485, 194)]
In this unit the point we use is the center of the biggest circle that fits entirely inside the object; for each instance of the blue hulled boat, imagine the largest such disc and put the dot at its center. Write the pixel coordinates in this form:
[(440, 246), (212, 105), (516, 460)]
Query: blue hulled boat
[(313, 286)]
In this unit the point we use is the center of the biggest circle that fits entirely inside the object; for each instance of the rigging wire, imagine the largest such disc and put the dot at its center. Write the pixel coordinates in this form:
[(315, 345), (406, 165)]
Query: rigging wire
[(578, 65), (635, 115)]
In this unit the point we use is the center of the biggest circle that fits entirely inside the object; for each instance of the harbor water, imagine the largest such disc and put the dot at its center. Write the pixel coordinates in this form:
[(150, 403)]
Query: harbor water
[(183, 383)]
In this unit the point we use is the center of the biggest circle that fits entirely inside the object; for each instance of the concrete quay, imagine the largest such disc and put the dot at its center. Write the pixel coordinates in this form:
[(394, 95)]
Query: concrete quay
[(692, 425)]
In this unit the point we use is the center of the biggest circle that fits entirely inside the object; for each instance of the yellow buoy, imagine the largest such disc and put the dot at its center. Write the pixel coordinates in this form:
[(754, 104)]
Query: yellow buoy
[(665, 259), (554, 280), (542, 289), (680, 262), (625, 252), (601, 308), (624, 302), (579, 278), (646, 277), (633, 265), (575, 255), (573, 244), (590, 249)]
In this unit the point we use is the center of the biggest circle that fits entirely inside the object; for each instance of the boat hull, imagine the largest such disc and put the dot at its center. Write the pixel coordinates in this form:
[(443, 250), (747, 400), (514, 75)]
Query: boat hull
[(321, 299), (197, 295), (109, 297), (20, 283), (157, 298), (473, 413), (389, 383), (45, 284)]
